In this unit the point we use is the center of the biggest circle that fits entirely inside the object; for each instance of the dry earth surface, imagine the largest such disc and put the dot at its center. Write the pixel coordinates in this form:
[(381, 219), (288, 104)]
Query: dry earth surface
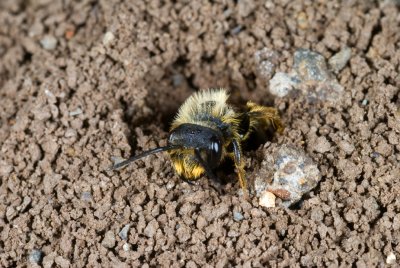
[(82, 81)]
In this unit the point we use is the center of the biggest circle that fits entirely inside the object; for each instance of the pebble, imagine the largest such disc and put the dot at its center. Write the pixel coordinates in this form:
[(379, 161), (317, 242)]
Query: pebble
[(25, 204), (237, 216), (266, 60), (86, 196), (36, 256), (293, 174), (108, 38), (391, 258), (124, 232), (70, 132), (227, 12), (49, 42), (302, 20), (281, 84), (177, 79), (109, 240), (126, 247), (236, 30), (310, 65), (338, 61), (170, 185), (77, 111), (310, 76), (49, 94), (267, 199)]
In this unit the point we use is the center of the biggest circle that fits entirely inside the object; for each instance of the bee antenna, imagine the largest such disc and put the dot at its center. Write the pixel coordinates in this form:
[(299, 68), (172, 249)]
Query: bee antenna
[(144, 154)]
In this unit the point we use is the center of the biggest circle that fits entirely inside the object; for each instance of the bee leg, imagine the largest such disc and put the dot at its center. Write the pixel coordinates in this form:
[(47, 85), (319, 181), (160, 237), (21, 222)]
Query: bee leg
[(258, 114), (217, 182), (239, 164)]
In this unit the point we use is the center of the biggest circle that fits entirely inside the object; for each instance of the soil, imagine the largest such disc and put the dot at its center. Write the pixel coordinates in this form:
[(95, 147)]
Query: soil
[(82, 82)]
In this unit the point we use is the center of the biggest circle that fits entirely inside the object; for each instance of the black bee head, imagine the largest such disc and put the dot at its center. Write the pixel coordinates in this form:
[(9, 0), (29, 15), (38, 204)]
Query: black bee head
[(207, 140)]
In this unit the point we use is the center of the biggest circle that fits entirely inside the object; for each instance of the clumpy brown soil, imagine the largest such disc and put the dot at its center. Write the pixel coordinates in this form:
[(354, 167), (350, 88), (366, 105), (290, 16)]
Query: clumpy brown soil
[(72, 96)]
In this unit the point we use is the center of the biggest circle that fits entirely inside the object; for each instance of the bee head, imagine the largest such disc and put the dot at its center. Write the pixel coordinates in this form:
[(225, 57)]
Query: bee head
[(206, 140)]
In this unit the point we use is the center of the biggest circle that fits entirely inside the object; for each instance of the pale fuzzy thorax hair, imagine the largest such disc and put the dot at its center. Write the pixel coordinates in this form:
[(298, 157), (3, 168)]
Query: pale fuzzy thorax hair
[(197, 104)]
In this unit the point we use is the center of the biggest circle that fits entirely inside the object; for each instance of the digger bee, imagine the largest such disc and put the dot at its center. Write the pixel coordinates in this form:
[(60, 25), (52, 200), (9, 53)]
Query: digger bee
[(207, 130)]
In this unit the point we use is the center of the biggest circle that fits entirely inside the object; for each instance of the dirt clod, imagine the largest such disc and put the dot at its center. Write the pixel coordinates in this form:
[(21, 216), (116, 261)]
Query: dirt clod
[(109, 239)]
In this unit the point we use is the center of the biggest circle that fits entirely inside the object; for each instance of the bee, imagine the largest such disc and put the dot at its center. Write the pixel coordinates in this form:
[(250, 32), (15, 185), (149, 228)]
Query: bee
[(208, 130)]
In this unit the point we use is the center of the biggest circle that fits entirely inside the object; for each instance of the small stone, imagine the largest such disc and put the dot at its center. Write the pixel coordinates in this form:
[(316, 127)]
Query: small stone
[(75, 112), (391, 258), (266, 60), (177, 79), (310, 66), (108, 38), (236, 30), (70, 132), (267, 199), (49, 42), (124, 232), (109, 240), (302, 20), (170, 185), (126, 247), (49, 94), (364, 102), (281, 84), (25, 204), (86, 196), (237, 216), (227, 13), (288, 173), (36, 256), (338, 61)]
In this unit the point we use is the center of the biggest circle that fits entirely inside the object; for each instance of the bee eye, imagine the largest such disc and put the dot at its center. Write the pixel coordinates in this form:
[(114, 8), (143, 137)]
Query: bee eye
[(214, 152), (215, 147)]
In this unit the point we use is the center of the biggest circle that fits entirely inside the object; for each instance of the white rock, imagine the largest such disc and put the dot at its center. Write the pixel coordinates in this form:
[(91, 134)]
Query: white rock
[(281, 84), (267, 199), (49, 42), (77, 111), (126, 247), (340, 59), (391, 258), (108, 38)]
